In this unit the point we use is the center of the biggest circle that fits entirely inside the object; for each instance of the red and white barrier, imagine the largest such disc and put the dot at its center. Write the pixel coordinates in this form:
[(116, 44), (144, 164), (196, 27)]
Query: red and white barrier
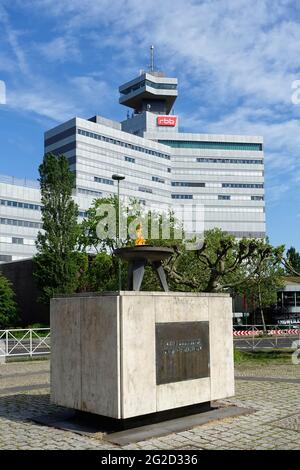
[(284, 332), (246, 333), (269, 333)]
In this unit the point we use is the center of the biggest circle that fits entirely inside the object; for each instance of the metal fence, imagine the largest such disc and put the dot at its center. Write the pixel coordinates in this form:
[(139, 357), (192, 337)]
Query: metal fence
[(19, 181), (21, 342), (37, 342), (273, 337)]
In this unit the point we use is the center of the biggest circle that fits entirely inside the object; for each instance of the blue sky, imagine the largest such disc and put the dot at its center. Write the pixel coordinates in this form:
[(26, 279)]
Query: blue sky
[(235, 61)]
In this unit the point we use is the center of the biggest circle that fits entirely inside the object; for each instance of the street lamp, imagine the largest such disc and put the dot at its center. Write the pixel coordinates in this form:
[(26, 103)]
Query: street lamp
[(118, 178)]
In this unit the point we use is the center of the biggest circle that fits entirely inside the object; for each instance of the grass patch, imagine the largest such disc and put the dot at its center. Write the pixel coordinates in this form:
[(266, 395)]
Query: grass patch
[(262, 357), (42, 357)]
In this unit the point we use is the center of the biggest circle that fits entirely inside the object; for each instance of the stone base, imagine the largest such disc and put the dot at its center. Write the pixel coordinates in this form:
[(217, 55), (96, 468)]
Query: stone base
[(111, 354)]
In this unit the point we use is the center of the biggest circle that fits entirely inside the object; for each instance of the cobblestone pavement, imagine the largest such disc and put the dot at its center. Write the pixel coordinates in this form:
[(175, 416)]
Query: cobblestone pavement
[(274, 424)]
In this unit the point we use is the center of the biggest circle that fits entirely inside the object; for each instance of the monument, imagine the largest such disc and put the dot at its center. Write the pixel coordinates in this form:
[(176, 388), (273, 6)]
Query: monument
[(141, 254), (129, 354)]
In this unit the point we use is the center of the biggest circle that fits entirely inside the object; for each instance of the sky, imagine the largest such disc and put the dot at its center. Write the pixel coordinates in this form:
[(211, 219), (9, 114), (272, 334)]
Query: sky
[(237, 62)]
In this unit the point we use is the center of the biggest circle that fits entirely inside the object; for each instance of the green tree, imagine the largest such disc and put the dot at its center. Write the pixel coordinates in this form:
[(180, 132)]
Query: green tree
[(292, 262), (221, 263), (8, 307), (57, 263), (103, 268), (103, 212), (261, 286), (102, 273)]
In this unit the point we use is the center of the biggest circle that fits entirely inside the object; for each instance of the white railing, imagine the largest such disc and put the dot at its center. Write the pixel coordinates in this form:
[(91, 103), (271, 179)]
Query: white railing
[(25, 342), (273, 337), (37, 342), (20, 181)]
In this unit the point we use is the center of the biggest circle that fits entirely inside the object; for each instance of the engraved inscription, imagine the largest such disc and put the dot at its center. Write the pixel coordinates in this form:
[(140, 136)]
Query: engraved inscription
[(172, 347), (182, 351)]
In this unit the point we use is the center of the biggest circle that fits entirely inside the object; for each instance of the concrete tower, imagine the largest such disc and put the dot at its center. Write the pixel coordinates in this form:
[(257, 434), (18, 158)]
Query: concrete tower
[(151, 96)]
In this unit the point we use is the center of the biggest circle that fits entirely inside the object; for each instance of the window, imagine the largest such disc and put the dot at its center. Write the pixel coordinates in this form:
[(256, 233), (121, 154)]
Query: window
[(122, 144), (5, 258), (193, 144), (64, 148), (18, 241), (257, 198), (157, 179), (230, 160), (186, 184), (224, 197), (142, 83), (130, 159), (103, 180), (182, 196), (89, 192), (145, 190), (20, 205), (289, 299), (242, 185), (162, 86), (60, 136), (169, 170), (20, 223)]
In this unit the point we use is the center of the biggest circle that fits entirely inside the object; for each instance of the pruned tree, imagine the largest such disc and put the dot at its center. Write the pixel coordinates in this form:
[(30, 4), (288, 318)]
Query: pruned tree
[(266, 277), (222, 262)]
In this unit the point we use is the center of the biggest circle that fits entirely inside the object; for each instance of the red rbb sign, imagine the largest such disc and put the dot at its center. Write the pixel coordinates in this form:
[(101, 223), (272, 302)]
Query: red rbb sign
[(166, 121)]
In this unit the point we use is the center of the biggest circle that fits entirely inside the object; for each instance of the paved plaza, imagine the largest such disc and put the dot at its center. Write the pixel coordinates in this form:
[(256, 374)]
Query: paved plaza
[(272, 391)]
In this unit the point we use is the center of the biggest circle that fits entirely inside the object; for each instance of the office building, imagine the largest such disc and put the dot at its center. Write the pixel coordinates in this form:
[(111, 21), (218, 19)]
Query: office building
[(223, 174)]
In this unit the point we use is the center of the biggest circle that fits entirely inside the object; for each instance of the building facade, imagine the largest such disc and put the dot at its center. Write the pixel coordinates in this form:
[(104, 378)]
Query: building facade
[(288, 302), (20, 217), (221, 175)]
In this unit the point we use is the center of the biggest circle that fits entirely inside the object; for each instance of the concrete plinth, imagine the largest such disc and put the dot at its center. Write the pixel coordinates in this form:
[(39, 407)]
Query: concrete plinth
[(135, 353)]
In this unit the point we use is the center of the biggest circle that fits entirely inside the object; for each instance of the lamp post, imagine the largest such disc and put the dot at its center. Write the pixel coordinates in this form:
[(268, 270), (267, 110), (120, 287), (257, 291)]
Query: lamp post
[(118, 178)]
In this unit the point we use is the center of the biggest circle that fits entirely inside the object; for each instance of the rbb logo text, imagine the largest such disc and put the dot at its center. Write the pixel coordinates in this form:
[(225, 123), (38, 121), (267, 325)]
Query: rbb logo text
[(166, 121)]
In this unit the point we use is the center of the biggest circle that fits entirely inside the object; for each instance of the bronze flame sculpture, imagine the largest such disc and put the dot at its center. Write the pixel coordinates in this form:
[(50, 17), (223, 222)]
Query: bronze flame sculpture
[(141, 254)]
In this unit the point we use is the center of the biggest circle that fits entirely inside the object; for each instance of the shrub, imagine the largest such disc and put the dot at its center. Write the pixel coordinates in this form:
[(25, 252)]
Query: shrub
[(8, 307)]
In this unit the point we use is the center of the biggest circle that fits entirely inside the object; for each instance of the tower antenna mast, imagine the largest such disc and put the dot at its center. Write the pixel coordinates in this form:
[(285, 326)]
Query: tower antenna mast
[(152, 58)]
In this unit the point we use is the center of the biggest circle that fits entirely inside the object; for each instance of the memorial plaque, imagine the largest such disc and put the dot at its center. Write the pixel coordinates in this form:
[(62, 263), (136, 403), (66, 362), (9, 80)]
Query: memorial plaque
[(182, 351)]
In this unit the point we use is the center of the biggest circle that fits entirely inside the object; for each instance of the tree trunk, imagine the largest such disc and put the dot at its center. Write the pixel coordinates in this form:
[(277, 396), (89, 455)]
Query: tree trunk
[(261, 309)]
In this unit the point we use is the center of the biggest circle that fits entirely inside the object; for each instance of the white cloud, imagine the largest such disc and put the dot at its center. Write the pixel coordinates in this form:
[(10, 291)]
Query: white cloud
[(235, 60), (11, 36), (60, 49), (77, 97), (91, 88), (2, 92), (52, 105)]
